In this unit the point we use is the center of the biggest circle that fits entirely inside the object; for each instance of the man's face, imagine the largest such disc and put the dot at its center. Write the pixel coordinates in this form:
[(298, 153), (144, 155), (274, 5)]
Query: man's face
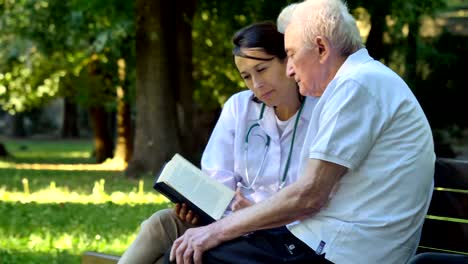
[(303, 63)]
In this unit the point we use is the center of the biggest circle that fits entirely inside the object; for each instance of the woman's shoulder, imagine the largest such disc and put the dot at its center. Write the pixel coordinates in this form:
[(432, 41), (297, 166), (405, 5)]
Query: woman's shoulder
[(245, 95), (241, 98)]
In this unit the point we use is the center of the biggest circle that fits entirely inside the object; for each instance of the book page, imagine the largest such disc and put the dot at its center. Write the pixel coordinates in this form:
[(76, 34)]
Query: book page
[(206, 193)]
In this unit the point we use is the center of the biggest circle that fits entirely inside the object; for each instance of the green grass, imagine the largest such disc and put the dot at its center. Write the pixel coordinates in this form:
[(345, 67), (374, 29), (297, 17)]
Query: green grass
[(54, 215), (60, 233)]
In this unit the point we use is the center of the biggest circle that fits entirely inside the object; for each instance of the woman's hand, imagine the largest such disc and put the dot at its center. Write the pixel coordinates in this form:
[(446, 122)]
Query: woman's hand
[(240, 201), (186, 215)]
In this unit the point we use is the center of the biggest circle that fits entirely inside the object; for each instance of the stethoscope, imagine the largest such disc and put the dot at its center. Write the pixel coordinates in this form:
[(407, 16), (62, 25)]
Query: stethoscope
[(281, 184)]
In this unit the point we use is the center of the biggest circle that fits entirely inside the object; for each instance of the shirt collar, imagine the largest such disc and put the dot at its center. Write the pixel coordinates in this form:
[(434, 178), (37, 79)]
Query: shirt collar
[(309, 106), (359, 57)]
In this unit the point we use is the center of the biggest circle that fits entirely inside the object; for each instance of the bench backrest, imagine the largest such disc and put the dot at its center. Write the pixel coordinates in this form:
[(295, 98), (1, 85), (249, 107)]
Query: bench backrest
[(446, 226)]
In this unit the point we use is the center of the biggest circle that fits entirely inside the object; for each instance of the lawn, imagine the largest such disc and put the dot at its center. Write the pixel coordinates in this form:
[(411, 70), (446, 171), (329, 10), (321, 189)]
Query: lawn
[(55, 204)]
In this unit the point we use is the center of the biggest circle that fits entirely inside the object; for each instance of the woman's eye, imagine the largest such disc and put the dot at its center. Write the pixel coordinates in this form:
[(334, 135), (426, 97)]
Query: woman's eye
[(246, 77), (261, 69)]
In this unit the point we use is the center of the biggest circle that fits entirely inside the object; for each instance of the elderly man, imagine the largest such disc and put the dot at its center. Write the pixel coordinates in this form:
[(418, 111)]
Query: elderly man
[(367, 161)]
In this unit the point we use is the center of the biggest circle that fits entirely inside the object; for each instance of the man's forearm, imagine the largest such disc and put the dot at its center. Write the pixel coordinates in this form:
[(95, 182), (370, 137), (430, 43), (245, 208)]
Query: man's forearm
[(304, 197), (273, 212)]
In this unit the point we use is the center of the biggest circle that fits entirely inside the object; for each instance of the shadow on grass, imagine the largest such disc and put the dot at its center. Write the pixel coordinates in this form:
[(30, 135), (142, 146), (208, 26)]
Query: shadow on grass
[(59, 257), (50, 151)]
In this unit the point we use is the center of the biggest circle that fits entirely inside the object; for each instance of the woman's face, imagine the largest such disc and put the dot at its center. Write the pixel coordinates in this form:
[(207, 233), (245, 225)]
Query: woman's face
[(265, 78)]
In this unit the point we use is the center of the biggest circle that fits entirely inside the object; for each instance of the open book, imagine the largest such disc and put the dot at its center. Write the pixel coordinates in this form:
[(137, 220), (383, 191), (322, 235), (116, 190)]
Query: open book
[(182, 182)]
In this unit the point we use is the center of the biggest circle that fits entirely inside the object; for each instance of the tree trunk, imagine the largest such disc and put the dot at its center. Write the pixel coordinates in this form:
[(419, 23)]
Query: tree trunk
[(412, 54), (70, 119), (184, 68), (3, 151), (102, 135), (157, 137), (19, 130), (374, 43), (124, 143)]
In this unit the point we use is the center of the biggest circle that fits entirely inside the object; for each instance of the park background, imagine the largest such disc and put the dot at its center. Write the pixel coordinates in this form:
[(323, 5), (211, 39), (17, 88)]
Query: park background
[(96, 95)]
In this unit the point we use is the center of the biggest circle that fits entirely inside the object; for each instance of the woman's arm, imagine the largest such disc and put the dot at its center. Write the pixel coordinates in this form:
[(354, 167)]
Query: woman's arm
[(218, 156)]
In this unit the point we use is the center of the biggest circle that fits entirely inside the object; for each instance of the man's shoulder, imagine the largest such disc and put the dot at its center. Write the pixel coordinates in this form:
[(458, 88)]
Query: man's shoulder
[(376, 80)]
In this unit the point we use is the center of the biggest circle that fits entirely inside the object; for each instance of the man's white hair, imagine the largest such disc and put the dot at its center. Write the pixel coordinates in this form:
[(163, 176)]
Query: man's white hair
[(284, 18), (330, 19)]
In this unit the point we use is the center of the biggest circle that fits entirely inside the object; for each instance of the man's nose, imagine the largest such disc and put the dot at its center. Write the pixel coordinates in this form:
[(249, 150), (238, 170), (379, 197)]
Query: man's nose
[(290, 69)]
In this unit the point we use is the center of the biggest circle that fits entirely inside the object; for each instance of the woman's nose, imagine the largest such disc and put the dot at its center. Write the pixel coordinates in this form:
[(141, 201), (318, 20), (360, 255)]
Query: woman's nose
[(257, 82)]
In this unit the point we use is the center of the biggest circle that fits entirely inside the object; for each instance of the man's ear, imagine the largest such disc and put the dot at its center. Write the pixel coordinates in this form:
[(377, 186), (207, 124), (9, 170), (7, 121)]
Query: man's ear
[(323, 47)]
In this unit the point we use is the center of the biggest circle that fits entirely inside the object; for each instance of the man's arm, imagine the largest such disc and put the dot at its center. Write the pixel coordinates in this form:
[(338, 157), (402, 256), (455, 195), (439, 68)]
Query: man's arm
[(303, 198)]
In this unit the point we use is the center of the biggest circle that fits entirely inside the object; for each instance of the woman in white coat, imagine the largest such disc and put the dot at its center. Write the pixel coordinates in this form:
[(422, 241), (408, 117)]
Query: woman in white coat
[(255, 145)]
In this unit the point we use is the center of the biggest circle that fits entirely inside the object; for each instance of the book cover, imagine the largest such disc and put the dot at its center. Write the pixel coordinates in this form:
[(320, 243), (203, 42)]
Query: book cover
[(176, 197), (182, 182)]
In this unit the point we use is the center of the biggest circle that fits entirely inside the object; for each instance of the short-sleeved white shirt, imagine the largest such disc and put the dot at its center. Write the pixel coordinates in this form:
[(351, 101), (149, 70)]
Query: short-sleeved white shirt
[(223, 157), (369, 121)]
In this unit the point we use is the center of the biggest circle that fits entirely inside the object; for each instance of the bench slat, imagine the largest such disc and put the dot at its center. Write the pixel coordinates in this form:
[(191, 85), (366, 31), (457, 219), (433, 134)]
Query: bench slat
[(451, 173), (98, 258), (449, 204), (445, 235)]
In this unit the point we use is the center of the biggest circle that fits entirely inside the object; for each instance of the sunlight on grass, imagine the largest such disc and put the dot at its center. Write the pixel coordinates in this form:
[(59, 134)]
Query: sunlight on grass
[(54, 194), (108, 165), (67, 154), (63, 248), (63, 196), (60, 232), (46, 242)]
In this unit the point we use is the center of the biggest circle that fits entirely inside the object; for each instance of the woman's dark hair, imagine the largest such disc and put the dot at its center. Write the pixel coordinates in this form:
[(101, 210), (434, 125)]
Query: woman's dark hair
[(259, 35), (263, 35)]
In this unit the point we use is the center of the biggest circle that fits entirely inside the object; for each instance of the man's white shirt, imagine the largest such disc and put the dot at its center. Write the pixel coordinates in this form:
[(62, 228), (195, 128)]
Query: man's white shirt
[(369, 121)]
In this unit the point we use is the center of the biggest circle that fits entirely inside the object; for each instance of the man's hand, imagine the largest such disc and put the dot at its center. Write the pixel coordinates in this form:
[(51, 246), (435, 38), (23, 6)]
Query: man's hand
[(240, 201), (190, 246), (186, 215)]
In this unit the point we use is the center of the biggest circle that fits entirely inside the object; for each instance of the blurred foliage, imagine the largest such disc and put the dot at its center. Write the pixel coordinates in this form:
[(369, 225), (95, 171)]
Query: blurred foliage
[(441, 86), (215, 75), (52, 48), (55, 48)]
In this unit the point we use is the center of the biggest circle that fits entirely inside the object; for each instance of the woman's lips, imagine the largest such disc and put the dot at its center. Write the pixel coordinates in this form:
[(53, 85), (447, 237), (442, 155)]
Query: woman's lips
[(266, 95)]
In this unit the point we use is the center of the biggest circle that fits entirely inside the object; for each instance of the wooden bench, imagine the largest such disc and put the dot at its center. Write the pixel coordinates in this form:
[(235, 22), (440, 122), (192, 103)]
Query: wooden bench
[(90, 257), (445, 229)]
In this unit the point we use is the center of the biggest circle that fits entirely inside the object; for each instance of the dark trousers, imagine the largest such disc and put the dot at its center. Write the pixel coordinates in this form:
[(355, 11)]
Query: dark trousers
[(271, 246)]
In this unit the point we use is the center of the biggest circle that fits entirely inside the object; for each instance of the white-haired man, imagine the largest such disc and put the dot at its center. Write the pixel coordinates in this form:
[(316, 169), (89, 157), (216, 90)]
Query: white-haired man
[(367, 161)]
